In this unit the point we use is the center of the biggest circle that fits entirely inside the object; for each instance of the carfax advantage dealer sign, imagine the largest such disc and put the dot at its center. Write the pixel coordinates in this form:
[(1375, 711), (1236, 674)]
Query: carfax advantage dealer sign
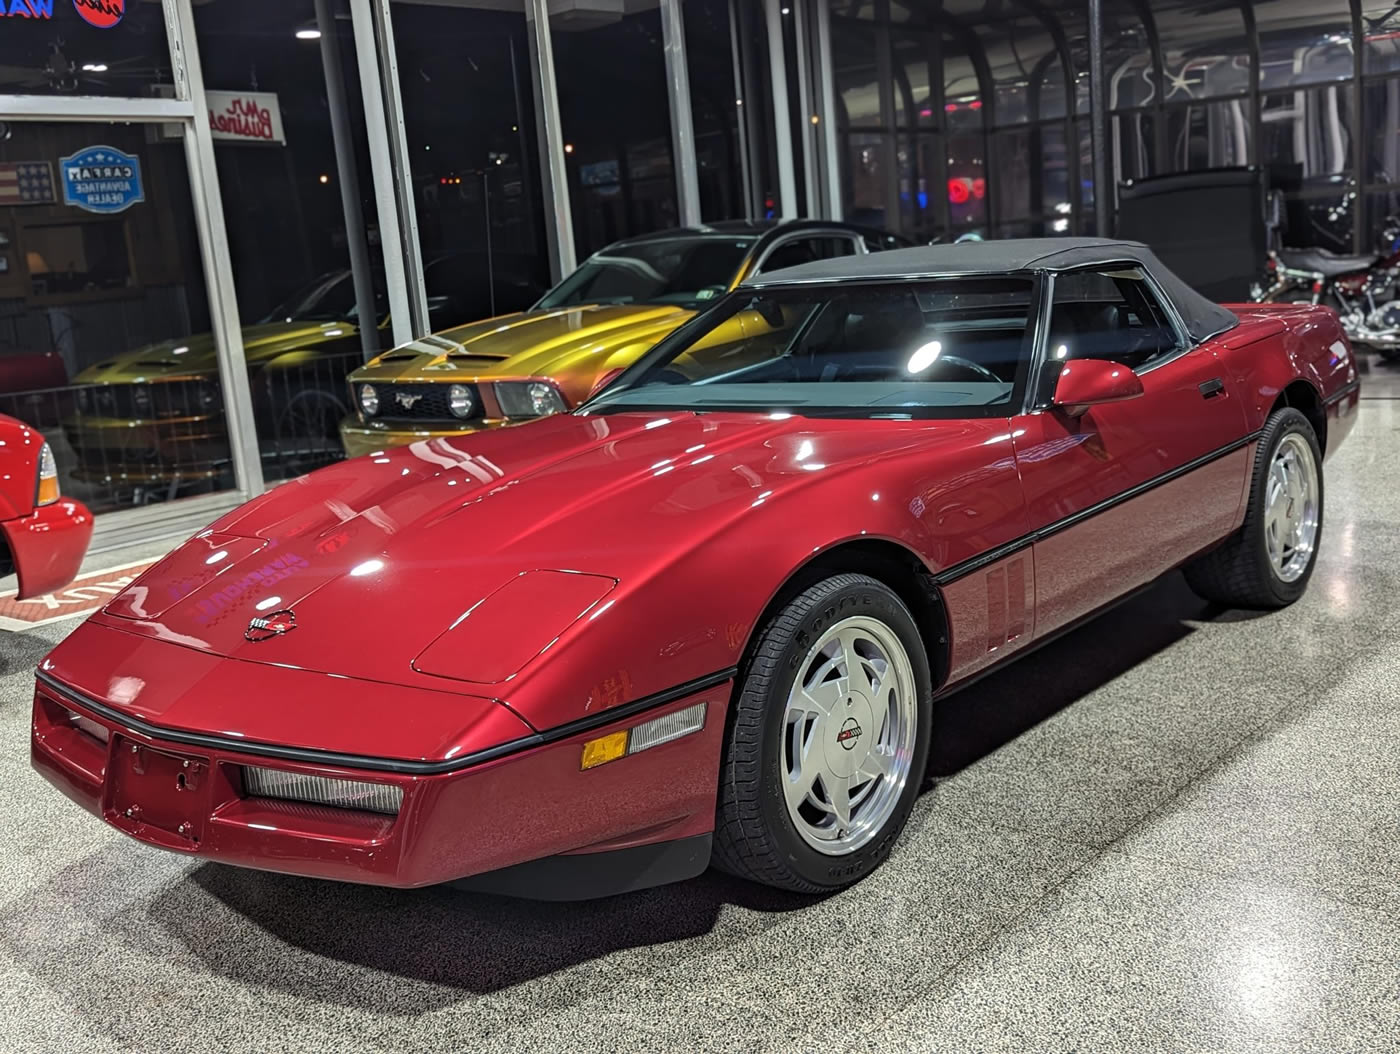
[(101, 179)]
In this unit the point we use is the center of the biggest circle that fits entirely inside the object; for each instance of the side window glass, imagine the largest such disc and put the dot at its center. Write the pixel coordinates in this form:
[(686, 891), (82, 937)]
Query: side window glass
[(1109, 315)]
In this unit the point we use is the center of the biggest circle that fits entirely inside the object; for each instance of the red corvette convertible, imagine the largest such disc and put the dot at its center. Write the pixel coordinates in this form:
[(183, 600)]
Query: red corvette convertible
[(45, 535), (704, 618)]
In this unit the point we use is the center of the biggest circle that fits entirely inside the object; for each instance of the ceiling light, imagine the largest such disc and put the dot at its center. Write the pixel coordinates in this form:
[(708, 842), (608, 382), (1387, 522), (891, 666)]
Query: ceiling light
[(94, 67), (308, 34)]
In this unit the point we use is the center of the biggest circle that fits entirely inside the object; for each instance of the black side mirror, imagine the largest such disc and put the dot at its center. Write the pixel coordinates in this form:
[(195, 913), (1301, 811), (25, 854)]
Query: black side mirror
[(769, 311)]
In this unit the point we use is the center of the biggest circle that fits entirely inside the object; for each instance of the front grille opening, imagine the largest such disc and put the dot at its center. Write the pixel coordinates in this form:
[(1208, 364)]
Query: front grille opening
[(423, 402)]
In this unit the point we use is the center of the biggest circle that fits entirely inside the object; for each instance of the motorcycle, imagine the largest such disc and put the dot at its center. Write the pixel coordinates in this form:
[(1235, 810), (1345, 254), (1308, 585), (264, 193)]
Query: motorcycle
[(1364, 290)]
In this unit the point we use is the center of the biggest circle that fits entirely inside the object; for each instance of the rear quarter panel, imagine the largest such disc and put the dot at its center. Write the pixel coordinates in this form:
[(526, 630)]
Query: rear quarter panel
[(1278, 344)]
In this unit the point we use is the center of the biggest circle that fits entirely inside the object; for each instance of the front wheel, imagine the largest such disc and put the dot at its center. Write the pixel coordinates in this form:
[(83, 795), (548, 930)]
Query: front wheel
[(1267, 563), (827, 741)]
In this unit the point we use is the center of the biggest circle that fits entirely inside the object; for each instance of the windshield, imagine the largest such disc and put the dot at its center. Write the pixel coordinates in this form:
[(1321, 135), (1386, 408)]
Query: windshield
[(330, 298), (685, 270), (943, 348)]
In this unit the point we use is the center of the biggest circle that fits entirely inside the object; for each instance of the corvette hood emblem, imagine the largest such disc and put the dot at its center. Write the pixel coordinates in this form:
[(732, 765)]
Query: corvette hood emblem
[(265, 627)]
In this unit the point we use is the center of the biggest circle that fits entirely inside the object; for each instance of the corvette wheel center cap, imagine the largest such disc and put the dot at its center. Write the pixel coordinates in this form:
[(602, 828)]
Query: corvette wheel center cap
[(850, 735)]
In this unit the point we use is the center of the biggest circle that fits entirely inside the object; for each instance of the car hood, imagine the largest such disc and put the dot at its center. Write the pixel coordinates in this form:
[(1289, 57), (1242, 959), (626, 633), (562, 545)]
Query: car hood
[(573, 345), (379, 556), (198, 354)]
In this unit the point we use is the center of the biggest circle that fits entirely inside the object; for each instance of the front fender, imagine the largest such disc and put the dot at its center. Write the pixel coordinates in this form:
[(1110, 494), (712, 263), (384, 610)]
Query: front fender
[(693, 611)]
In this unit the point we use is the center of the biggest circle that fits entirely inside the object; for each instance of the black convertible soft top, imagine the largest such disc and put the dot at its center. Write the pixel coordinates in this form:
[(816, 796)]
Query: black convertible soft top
[(1203, 318)]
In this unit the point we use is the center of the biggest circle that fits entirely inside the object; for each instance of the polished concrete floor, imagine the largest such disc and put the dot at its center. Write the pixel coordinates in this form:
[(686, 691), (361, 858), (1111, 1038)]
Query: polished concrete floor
[(1177, 830)]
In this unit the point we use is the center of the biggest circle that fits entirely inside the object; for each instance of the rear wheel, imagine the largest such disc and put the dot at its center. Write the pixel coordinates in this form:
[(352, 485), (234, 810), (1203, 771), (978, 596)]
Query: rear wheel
[(827, 741), (1267, 563)]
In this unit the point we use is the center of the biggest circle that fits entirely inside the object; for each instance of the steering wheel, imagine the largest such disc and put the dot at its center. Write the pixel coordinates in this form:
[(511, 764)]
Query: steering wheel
[(972, 367)]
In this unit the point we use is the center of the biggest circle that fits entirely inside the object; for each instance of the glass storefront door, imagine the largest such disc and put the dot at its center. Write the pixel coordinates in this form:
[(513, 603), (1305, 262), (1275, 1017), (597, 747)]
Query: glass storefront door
[(303, 239), (104, 318)]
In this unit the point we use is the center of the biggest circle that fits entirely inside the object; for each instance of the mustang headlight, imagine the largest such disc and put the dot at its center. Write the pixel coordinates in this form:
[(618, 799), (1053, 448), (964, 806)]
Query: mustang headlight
[(207, 395), (545, 399), (460, 401), (529, 399), (47, 490), (369, 400), (322, 790)]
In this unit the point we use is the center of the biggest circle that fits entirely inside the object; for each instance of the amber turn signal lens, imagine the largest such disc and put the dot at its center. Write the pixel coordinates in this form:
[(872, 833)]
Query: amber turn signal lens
[(47, 492), (600, 751)]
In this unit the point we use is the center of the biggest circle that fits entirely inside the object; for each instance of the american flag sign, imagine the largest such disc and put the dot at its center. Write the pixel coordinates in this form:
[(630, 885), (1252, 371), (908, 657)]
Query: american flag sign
[(26, 183)]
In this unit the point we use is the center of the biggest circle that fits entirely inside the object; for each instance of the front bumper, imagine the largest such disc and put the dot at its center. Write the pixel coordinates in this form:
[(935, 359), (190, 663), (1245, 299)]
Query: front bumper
[(143, 452), (48, 545), (359, 438), (505, 811)]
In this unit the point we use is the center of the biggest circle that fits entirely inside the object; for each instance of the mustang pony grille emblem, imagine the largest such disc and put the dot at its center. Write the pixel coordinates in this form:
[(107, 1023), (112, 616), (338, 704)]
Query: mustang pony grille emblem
[(266, 627), (407, 399)]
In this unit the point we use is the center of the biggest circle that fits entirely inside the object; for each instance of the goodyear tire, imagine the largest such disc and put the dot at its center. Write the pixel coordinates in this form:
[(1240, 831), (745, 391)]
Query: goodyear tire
[(827, 740), (1267, 563)]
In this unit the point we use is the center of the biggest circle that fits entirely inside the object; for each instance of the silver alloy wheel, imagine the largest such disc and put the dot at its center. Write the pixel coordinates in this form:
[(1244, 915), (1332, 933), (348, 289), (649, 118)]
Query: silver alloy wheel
[(1291, 508), (848, 735)]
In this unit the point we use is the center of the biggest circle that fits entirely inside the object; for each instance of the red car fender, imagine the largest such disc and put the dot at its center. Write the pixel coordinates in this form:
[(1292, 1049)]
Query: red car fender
[(46, 544), (694, 614)]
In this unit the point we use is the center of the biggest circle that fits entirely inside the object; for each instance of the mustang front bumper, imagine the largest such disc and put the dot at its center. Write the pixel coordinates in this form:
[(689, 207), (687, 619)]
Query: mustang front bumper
[(359, 439), (560, 831), (131, 451)]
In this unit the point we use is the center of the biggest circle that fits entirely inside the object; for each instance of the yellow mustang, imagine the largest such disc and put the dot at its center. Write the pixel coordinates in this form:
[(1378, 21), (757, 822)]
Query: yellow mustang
[(619, 303), (154, 416)]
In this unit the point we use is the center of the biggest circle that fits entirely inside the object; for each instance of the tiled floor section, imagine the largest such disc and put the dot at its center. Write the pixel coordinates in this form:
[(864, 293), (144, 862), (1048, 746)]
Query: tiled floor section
[(1175, 830)]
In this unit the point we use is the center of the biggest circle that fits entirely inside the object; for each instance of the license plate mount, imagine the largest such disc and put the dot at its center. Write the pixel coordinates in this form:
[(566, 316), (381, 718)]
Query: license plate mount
[(157, 795)]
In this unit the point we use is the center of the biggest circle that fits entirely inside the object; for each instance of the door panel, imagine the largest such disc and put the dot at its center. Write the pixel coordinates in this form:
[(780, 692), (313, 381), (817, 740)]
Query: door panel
[(1095, 484)]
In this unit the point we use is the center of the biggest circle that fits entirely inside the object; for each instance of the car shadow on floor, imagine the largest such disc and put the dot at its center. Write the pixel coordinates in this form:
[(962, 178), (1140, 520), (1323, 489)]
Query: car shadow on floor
[(466, 942), (454, 942), (22, 652), (974, 721)]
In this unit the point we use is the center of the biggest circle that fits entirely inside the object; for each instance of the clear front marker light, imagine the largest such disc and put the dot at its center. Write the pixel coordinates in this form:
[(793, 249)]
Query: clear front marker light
[(369, 400), (648, 734), (47, 492), (460, 401), (322, 790)]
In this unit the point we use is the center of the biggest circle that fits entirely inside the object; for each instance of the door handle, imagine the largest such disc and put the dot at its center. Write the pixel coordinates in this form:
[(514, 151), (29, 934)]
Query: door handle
[(1211, 388)]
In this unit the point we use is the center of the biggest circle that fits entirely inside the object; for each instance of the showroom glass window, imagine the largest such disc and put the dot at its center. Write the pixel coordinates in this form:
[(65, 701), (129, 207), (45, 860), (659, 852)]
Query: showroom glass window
[(1207, 116), (104, 317), (1132, 94), (912, 100), (1308, 118), (709, 51), (290, 243), (49, 48), (610, 70), (464, 78), (1381, 106), (1028, 147)]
